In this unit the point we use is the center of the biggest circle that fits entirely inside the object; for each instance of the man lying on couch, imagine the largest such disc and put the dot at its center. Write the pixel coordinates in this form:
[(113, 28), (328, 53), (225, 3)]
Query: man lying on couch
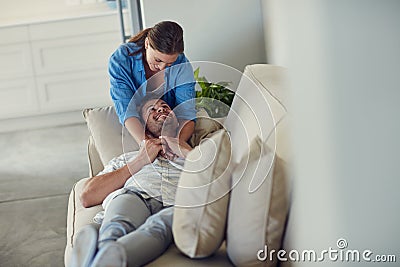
[(137, 190)]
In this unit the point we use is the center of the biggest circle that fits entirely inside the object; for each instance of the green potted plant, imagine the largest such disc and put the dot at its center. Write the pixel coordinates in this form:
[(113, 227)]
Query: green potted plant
[(215, 98)]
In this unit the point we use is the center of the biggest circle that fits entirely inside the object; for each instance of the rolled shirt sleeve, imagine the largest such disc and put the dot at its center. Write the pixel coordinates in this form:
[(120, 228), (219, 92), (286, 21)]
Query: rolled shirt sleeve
[(181, 85), (125, 77)]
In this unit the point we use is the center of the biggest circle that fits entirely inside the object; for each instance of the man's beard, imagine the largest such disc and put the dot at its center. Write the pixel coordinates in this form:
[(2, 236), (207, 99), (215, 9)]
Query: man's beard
[(168, 127)]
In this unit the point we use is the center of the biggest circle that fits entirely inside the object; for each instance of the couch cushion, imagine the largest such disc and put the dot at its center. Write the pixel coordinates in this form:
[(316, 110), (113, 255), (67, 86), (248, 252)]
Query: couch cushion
[(95, 163), (202, 196), (109, 136), (273, 79), (259, 109), (259, 203)]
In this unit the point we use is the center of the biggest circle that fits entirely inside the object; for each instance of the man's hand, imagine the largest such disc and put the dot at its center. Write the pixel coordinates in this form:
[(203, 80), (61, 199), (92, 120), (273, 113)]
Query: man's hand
[(149, 151), (175, 145)]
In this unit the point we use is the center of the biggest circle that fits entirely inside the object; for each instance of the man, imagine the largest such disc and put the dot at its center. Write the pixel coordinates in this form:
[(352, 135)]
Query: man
[(137, 191)]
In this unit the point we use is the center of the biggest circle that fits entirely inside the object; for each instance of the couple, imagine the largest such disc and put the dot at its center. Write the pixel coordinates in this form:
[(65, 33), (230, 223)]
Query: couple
[(137, 191)]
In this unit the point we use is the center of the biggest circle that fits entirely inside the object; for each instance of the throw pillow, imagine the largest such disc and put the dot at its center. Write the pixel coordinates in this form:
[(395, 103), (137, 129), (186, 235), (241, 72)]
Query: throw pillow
[(202, 196), (110, 138), (257, 108), (259, 203)]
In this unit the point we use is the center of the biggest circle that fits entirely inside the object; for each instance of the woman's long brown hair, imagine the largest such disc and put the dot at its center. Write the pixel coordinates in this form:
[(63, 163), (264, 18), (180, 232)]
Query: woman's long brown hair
[(165, 37)]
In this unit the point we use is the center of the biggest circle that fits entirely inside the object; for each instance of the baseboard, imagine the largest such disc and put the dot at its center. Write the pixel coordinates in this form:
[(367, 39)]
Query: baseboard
[(41, 121)]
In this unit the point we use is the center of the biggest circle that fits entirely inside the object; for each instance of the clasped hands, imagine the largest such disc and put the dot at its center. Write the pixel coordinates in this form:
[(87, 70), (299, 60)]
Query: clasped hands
[(165, 146)]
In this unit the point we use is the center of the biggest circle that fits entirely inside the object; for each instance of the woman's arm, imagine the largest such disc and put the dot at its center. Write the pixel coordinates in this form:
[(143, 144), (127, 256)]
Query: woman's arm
[(186, 130), (135, 128), (125, 79), (184, 97)]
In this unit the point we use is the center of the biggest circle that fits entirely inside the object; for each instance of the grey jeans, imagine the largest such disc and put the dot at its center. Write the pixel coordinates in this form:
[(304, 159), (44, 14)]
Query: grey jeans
[(147, 224)]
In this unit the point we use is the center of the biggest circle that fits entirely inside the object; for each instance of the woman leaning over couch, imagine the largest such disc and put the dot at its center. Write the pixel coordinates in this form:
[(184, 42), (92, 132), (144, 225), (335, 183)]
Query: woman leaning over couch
[(153, 60)]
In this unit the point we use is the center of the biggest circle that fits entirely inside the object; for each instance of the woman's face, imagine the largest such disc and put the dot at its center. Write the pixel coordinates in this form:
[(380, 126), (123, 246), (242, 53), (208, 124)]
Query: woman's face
[(156, 60)]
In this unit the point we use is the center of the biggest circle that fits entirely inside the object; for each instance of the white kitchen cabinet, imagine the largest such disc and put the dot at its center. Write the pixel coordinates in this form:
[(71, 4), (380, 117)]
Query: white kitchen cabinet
[(18, 97), (15, 61), (73, 90), (56, 66), (73, 53), (14, 34), (17, 84)]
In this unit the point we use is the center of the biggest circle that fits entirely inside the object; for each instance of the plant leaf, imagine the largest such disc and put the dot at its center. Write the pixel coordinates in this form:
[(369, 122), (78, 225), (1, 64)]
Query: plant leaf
[(196, 73)]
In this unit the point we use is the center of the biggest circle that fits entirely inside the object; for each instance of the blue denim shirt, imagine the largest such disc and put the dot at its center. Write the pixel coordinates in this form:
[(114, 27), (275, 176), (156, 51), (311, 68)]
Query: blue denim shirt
[(128, 79)]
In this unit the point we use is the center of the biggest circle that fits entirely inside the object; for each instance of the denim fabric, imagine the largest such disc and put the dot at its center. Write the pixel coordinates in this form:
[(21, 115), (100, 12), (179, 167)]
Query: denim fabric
[(142, 226), (127, 78), (150, 240)]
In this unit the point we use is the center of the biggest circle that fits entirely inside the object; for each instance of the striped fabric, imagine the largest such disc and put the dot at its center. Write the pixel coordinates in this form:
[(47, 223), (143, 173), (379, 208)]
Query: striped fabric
[(157, 180)]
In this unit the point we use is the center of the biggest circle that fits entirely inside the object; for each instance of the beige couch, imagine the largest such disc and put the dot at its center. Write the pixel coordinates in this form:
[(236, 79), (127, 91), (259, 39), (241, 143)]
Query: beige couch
[(251, 115)]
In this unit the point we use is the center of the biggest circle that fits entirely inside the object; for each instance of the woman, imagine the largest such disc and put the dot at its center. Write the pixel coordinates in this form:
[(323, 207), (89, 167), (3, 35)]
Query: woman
[(155, 53)]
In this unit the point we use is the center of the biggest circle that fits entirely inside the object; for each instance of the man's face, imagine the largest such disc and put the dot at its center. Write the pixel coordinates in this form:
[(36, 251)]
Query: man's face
[(159, 118)]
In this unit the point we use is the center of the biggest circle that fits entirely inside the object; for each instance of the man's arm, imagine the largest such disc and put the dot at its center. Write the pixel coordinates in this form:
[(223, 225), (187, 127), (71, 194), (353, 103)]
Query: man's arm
[(97, 188)]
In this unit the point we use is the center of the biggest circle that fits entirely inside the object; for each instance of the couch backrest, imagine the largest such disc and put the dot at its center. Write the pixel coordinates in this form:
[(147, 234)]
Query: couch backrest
[(259, 111)]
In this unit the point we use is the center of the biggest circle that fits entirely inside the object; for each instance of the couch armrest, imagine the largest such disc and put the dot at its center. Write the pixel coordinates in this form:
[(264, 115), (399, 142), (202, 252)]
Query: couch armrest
[(77, 216)]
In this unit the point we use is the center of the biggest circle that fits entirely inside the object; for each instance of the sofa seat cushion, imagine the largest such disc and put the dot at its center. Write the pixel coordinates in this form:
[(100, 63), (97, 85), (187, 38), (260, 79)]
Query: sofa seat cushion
[(173, 257)]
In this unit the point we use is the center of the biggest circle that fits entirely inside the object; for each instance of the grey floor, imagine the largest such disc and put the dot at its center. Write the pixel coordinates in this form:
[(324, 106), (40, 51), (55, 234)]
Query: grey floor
[(37, 171)]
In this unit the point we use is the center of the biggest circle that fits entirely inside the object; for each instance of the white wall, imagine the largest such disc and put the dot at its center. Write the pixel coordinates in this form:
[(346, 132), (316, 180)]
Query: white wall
[(224, 31), (275, 25), (344, 61)]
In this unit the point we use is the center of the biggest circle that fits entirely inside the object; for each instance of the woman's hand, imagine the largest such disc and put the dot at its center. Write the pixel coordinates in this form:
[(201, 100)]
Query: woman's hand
[(175, 145), (167, 153)]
